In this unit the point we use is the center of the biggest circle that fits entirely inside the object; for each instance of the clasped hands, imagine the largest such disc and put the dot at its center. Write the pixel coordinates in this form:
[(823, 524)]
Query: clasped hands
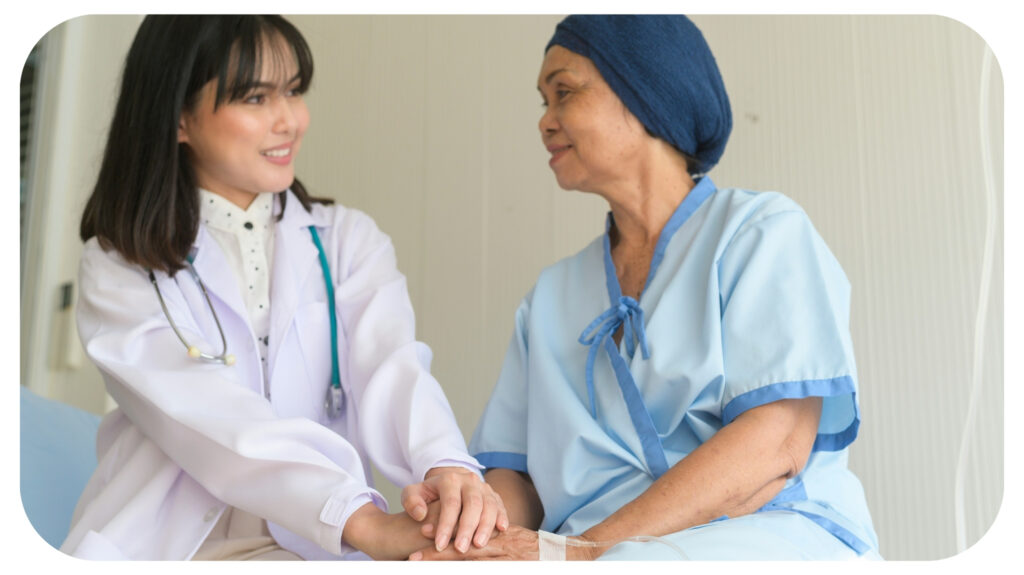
[(483, 530), (451, 515), (454, 506)]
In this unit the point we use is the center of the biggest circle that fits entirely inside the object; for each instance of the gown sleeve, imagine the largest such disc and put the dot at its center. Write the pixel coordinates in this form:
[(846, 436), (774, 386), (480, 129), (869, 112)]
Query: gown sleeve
[(500, 438), (405, 421), (225, 435), (785, 324)]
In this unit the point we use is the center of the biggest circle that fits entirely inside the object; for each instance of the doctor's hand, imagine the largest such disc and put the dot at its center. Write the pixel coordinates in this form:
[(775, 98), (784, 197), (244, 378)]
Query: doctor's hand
[(466, 502)]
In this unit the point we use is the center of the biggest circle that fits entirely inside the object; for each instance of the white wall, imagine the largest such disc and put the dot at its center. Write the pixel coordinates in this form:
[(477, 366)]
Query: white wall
[(428, 123), (872, 124), (79, 81)]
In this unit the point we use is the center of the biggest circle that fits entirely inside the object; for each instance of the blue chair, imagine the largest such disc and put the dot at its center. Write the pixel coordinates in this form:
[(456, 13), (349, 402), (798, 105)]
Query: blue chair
[(58, 455)]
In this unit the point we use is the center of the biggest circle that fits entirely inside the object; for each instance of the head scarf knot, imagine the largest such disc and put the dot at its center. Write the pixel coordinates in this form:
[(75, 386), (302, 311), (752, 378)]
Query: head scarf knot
[(662, 69)]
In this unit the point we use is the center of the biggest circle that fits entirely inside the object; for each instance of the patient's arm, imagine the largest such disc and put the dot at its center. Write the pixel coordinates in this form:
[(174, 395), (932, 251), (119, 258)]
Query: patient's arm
[(733, 473), (519, 495)]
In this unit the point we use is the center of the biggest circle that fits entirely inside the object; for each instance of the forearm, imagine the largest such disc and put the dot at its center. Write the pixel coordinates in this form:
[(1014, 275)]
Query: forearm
[(383, 536), (735, 472), (519, 495)]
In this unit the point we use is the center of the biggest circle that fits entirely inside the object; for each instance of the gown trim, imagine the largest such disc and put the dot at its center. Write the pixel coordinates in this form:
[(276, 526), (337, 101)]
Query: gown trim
[(798, 389), (502, 460), (626, 312)]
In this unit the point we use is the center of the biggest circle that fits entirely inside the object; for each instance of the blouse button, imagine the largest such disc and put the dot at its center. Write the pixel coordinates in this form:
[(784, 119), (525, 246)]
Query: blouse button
[(248, 225)]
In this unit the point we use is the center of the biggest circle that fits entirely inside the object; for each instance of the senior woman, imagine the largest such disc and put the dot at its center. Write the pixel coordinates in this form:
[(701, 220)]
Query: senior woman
[(689, 375)]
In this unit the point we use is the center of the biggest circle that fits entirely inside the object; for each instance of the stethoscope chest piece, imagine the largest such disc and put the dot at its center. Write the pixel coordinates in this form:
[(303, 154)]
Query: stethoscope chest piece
[(334, 404)]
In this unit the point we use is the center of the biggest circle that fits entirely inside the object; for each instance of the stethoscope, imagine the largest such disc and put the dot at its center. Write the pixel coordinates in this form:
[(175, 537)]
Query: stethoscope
[(334, 403)]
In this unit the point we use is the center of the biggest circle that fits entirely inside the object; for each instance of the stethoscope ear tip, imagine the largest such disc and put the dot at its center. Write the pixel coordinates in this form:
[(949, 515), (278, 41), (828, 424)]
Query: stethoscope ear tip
[(193, 352), (229, 359)]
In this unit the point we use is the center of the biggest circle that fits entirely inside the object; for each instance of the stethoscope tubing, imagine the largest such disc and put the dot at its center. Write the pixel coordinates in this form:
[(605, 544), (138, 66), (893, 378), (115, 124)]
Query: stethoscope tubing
[(224, 357), (334, 402)]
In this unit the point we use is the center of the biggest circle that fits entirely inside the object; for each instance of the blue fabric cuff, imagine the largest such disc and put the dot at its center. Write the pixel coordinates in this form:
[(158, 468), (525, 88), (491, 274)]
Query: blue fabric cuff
[(502, 460), (798, 389)]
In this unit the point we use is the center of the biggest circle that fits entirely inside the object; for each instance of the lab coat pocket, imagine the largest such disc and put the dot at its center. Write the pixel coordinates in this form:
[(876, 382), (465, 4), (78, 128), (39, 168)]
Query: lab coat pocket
[(312, 324)]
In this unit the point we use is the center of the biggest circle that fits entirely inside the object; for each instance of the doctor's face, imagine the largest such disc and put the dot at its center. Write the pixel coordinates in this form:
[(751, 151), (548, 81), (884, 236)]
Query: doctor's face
[(595, 142), (247, 146)]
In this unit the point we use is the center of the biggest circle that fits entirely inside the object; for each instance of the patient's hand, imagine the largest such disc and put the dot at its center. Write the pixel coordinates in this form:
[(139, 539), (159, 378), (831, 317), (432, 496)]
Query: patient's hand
[(464, 499), (515, 544)]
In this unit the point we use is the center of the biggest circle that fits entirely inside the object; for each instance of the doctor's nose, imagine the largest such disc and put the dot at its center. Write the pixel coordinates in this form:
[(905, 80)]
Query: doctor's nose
[(288, 115)]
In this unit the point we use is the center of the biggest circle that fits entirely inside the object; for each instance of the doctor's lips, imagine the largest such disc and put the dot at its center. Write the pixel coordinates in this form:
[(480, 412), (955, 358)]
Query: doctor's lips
[(556, 152), (280, 154)]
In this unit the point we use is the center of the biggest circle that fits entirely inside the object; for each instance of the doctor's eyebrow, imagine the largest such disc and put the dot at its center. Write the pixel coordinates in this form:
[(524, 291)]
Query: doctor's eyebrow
[(270, 85)]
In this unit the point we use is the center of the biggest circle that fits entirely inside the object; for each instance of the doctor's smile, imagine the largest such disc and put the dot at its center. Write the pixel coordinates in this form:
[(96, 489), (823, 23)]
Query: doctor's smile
[(281, 155)]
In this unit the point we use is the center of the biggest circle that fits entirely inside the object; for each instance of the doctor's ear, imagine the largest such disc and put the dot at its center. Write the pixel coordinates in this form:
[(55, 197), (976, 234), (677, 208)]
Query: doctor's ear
[(182, 133)]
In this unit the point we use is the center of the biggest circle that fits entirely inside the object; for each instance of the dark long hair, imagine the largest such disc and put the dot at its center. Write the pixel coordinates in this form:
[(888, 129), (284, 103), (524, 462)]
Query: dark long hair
[(145, 203)]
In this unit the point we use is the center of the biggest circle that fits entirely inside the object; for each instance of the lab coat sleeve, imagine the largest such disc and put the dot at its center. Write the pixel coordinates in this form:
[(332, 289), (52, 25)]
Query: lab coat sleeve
[(500, 440), (785, 323), (405, 421), (291, 471)]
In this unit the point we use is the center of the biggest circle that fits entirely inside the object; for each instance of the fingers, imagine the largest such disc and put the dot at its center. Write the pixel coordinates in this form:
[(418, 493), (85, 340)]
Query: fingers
[(502, 521), (451, 507), (473, 510), (487, 522), (470, 510), (494, 516), (414, 501), (515, 544), (451, 554), (429, 523), (432, 554)]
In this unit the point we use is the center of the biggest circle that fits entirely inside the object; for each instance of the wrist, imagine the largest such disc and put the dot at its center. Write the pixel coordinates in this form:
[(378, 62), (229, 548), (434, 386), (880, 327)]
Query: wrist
[(362, 528), (584, 550), (435, 471)]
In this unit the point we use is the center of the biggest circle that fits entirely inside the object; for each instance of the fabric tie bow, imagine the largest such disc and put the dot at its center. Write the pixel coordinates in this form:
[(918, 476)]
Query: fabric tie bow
[(628, 313)]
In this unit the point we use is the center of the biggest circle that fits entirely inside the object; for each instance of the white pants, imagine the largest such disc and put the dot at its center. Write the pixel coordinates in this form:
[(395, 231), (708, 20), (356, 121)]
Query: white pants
[(241, 536)]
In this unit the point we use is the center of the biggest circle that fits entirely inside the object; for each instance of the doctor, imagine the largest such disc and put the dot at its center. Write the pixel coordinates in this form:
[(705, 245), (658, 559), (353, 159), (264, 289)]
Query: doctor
[(259, 342)]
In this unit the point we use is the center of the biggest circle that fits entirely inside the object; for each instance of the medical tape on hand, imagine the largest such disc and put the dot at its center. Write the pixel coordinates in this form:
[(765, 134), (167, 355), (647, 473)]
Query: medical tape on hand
[(552, 546)]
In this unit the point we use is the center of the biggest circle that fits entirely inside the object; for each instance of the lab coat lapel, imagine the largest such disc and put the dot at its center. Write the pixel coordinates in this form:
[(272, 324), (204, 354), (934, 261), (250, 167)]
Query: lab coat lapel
[(295, 260), (216, 274)]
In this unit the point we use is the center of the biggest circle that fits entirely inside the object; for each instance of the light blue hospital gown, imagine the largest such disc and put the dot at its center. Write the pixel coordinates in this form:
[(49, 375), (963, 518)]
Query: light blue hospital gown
[(744, 305)]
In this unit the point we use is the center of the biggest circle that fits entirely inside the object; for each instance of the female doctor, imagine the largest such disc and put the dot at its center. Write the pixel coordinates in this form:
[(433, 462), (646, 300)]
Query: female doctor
[(259, 342)]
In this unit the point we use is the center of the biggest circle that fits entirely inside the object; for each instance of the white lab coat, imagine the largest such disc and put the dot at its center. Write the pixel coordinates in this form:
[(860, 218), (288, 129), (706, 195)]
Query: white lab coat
[(190, 437)]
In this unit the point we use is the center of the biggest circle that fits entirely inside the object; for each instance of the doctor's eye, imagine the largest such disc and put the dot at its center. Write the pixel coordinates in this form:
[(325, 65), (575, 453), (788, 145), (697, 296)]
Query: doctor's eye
[(257, 98)]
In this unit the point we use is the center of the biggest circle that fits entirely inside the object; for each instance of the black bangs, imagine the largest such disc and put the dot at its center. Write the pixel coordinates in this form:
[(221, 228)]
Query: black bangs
[(145, 203), (241, 64)]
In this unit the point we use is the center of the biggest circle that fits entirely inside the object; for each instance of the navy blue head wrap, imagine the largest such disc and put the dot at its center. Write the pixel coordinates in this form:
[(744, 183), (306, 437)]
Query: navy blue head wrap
[(663, 71)]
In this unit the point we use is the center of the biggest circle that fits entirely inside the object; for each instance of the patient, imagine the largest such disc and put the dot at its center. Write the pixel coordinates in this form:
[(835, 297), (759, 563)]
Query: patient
[(690, 374)]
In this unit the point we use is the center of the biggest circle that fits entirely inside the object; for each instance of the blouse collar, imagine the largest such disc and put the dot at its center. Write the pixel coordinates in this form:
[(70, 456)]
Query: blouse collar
[(218, 213)]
